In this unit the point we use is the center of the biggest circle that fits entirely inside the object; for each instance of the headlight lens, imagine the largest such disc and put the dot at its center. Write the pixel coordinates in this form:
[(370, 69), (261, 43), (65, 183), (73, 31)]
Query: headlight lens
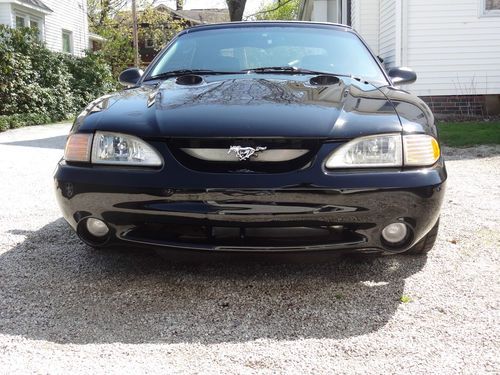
[(386, 150), (374, 151), (122, 149)]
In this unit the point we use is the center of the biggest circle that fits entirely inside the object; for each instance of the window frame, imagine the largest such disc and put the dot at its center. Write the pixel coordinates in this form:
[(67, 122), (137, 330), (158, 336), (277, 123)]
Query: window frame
[(483, 12), (69, 33)]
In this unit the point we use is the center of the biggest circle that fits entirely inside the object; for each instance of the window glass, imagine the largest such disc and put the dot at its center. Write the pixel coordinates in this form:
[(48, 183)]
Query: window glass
[(492, 4), (19, 21), (233, 49), (66, 41)]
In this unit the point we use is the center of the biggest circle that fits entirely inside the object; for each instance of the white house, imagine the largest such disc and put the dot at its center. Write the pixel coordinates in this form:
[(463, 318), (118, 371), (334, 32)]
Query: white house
[(454, 46), (61, 24)]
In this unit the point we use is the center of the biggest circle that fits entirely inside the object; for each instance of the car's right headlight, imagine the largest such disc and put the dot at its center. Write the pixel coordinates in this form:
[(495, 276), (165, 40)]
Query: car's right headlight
[(386, 150), (111, 149)]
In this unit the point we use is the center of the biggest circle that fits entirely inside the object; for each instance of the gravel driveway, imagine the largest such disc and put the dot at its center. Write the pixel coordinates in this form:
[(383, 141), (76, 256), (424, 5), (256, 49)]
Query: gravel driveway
[(65, 308)]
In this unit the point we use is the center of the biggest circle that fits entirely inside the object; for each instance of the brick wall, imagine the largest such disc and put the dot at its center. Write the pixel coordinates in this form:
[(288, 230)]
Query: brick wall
[(457, 106)]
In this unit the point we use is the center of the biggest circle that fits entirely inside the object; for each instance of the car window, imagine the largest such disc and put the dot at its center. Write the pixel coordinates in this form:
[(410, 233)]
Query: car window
[(234, 49)]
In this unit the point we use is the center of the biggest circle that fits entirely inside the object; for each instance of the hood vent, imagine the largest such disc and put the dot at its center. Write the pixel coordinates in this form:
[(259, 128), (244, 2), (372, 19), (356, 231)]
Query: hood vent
[(324, 80), (189, 80)]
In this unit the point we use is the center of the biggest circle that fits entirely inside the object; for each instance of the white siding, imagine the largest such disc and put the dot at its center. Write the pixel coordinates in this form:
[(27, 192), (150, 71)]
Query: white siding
[(387, 32), (452, 47), (5, 14), (365, 20), (355, 14), (67, 15), (70, 15), (325, 11)]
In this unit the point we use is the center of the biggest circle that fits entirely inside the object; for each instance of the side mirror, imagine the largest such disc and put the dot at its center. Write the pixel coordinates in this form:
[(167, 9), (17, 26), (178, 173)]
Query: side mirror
[(130, 77), (402, 76)]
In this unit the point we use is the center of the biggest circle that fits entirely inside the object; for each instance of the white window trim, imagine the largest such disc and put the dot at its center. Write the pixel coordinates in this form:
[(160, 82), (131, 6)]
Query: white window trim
[(487, 13), (71, 43)]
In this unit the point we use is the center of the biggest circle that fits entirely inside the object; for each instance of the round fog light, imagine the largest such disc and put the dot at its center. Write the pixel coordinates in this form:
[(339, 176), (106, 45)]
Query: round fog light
[(395, 232), (97, 227)]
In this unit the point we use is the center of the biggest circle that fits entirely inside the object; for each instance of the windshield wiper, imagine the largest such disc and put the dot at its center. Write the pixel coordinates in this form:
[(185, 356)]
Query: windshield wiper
[(181, 72), (288, 70)]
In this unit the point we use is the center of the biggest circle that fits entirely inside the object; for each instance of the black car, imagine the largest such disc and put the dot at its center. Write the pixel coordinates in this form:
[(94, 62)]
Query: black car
[(257, 136)]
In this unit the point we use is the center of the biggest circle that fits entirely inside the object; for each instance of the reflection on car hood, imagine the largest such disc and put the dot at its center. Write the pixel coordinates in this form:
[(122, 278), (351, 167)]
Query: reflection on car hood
[(249, 105)]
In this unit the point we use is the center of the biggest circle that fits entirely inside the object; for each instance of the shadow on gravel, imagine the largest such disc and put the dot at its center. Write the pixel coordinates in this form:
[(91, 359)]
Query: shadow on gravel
[(54, 142), (52, 287)]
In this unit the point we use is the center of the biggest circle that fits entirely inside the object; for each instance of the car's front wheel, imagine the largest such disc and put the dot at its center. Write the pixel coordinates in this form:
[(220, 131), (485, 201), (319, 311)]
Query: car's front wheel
[(425, 244)]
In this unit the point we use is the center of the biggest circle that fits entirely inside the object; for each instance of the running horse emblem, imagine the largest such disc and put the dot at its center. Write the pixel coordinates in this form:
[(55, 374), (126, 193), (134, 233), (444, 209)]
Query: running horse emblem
[(244, 153)]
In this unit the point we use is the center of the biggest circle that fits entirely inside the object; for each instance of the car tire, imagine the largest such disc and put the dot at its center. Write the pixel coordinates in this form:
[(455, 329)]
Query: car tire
[(425, 244)]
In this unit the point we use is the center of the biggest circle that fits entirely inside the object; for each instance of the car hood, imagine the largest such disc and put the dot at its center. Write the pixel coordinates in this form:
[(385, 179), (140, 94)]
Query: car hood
[(245, 106)]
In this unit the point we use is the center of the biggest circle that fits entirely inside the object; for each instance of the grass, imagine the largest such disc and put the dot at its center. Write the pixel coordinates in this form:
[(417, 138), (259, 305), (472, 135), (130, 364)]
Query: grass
[(471, 133), (405, 299)]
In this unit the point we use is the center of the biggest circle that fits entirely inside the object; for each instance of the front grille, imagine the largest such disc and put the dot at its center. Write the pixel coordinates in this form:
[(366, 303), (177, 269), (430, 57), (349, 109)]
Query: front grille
[(220, 236), (221, 155)]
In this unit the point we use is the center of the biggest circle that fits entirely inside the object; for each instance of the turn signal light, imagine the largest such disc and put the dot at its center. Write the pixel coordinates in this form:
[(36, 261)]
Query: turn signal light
[(78, 147), (420, 150)]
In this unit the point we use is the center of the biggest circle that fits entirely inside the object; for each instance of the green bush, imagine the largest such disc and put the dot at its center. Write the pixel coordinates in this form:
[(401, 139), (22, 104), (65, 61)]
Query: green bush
[(19, 120), (40, 86), (90, 77), (4, 123)]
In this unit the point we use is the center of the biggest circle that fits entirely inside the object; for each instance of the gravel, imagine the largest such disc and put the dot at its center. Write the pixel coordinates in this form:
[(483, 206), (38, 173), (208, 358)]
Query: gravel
[(65, 308)]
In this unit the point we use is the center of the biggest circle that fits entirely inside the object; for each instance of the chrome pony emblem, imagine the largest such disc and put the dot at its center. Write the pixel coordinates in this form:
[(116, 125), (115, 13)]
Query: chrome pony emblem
[(244, 153)]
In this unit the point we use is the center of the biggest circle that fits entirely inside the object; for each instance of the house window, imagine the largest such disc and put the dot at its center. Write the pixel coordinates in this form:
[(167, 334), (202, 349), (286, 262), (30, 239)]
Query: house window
[(491, 7), (150, 43), (28, 20), (67, 41), (20, 21), (36, 24)]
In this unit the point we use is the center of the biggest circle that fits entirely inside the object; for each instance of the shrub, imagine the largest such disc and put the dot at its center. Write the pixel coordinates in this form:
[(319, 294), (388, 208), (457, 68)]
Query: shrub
[(90, 77), (39, 86), (19, 120), (4, 123)]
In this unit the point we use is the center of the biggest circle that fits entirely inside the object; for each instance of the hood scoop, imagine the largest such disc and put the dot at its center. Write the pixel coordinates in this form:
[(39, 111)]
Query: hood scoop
[(189, 80), (324, 80)]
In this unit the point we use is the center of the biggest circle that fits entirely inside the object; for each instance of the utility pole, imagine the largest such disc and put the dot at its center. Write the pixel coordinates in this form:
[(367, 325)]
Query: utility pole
[(135, 36)]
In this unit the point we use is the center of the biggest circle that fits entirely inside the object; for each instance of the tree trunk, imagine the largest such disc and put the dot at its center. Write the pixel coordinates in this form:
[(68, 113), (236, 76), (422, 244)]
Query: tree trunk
[(236, 9)]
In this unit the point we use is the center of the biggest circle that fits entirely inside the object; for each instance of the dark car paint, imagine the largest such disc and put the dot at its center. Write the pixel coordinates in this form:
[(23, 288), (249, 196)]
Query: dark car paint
[(265, 106), (259, 107)]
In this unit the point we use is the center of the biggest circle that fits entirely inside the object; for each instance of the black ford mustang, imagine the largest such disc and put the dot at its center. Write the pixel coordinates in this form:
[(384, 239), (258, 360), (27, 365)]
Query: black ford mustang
[(282, 136)]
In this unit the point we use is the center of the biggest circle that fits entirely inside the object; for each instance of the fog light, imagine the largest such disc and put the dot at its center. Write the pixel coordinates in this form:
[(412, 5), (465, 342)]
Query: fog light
[(395, 232), (97, 227)]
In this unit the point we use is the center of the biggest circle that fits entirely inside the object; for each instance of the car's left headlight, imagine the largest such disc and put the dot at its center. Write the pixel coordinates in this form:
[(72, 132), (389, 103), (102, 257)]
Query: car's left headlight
[(122, 149), (386, 150)]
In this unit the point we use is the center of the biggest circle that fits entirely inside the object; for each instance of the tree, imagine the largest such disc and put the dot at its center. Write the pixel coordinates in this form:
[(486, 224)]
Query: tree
[(236, 9), (100, 11), (111, 20), (279, 10)]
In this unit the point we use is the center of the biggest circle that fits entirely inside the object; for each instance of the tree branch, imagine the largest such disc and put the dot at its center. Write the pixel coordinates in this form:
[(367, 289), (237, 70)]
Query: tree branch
[(280, 4)]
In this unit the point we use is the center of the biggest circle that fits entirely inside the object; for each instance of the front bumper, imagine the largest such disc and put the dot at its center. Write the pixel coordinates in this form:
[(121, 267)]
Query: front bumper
[(296, 211)]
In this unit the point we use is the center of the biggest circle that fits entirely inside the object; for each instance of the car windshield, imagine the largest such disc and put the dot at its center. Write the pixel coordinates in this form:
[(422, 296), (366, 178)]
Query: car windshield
[(233, 49)]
